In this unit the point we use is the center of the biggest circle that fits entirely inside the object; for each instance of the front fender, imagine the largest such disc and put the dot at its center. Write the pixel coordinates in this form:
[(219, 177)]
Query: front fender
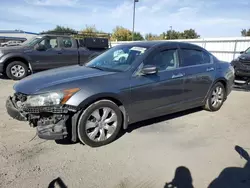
[(83, 103), (83, 99), (9, 56)]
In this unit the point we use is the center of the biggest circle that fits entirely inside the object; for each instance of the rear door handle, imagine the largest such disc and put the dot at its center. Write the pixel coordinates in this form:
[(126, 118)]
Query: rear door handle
[(177, 75), (210, 69)]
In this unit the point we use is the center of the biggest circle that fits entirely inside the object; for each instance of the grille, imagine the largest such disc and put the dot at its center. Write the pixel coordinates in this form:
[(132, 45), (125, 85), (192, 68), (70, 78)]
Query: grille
[(245, 61), (36, 110)]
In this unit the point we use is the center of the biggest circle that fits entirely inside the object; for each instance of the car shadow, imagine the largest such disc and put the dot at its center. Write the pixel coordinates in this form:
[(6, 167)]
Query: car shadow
[(241, 88), (3, 77), (134, 126), (152, 121)]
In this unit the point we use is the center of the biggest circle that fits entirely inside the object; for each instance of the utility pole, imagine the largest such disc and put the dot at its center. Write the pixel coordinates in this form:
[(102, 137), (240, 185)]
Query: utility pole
[(135, 1)]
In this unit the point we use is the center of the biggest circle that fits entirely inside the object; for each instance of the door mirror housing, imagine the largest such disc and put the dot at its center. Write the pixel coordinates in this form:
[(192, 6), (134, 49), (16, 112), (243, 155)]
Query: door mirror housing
[(40, 47), (242, 52), (149, 69)]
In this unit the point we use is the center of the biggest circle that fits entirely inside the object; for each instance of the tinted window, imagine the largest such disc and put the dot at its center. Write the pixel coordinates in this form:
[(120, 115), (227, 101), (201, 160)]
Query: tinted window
[(165, 60), (67, 42), (207, 58), (191, 57), (49, 43)]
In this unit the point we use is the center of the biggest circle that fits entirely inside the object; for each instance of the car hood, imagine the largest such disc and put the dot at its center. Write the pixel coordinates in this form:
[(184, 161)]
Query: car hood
[(245, 57), (41, 82)]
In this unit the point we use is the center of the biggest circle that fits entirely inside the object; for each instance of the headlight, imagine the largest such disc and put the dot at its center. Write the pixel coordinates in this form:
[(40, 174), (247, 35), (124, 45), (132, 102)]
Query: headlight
[(50, 99)]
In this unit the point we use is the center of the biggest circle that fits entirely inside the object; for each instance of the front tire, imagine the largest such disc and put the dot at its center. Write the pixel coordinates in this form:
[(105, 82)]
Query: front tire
[(16, 70), (100, 123), (216, 97)]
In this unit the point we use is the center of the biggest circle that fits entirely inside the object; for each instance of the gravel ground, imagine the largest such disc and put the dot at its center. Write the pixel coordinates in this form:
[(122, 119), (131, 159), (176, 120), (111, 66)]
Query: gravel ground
[(146, 156)]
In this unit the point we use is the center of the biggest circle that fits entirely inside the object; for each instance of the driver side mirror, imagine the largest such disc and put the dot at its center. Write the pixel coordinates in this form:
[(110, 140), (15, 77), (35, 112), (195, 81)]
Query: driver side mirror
[(149, 69), (242, 52), (40, 47)]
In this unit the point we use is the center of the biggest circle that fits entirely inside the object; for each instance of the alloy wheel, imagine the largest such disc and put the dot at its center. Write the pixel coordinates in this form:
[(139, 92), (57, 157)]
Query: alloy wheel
[(101, 124), (217, 96), (17, 71)]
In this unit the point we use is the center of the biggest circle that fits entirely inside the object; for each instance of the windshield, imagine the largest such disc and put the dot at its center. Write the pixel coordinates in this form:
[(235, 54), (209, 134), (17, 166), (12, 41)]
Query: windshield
[(31, 42), (118, 58), (248, 51)]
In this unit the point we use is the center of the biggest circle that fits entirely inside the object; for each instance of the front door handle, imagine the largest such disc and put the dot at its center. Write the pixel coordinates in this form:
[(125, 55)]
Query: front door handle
[(210, 69), (177, 75)]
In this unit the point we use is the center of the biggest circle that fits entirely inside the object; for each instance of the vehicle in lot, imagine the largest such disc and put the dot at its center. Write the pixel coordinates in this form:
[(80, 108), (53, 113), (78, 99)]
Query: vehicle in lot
[(11, 43), (93, 102), (44, 52), (242, 68)]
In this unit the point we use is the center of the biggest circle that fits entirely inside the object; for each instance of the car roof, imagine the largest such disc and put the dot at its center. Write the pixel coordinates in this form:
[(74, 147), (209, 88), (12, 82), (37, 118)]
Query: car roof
[(149, 44), (53, 35)]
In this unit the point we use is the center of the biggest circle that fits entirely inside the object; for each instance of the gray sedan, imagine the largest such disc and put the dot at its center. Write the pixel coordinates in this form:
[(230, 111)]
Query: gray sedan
[(93, 102)]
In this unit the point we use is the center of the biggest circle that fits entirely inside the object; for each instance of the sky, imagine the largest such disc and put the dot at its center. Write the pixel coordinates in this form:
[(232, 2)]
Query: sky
[(210, 18)]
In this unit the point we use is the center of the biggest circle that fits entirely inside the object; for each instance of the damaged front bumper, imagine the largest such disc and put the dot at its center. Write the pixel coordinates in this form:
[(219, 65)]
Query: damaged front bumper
[(51, 122), (13, 111)]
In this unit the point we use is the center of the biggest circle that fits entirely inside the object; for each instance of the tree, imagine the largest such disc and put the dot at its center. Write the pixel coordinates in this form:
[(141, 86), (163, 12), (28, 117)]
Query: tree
[(137, 36), (122, 34), (61, 29), (172, 34), (186, 34), (189, 34), (90, 30), (151, 36), (245, 32)]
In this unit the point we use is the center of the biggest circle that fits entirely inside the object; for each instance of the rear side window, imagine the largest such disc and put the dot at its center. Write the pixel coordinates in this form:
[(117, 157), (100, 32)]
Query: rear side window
[(207, 58), (191, 57), (67, 42)]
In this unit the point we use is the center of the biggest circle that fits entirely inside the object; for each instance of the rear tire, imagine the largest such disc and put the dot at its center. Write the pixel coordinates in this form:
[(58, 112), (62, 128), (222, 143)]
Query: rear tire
[(216, 97), (16, 70), (104, 120)]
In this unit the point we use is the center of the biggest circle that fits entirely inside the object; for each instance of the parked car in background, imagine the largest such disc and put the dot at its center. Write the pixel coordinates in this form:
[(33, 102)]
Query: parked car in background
[(93, 102), (11, 43), (47, 52), (242, 68)]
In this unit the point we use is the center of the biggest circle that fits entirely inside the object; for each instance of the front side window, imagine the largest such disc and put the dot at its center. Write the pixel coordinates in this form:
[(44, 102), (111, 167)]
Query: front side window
[(165, 60), (191, 57), (119, 58), (49, 43)]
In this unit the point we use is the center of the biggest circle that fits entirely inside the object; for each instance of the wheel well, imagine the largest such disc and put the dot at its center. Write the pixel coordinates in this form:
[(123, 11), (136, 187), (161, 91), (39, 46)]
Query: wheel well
[(75, 118), (224, 84), (15, 59)]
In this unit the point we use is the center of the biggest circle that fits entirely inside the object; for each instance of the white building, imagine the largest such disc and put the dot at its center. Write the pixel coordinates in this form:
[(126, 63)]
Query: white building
[(7, 35)]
